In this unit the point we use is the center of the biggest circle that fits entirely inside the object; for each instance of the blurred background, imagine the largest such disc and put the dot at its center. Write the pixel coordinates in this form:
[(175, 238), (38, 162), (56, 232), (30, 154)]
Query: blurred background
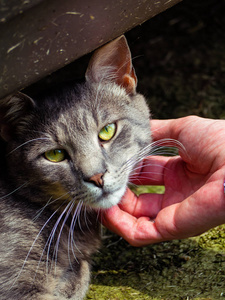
[(179, 57)]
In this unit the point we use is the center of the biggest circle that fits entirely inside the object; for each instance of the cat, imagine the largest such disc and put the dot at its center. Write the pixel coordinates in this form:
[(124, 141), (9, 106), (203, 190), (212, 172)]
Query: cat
[(65, 154)]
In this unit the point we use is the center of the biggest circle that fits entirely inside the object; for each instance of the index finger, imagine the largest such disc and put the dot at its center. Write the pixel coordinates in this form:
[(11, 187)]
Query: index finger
[(173, 130), (161, 129)]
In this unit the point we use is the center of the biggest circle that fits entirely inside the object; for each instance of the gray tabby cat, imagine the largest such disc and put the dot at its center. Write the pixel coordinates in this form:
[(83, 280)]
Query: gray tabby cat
[(64, 155)]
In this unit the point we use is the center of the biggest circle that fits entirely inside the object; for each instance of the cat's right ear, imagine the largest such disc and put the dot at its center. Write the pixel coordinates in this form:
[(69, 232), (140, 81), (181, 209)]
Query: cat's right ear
[(12, 109), (113, 63)]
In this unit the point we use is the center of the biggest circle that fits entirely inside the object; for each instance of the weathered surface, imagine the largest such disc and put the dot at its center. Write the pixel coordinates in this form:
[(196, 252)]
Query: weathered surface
[(44, 36)]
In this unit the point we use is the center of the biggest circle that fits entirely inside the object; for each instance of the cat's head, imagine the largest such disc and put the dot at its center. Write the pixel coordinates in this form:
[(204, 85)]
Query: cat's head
[(79, 143)]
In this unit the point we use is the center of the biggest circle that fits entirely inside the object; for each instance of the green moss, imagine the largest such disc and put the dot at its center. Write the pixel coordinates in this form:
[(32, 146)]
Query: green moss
[(148, 189), (213, 239), (187, 269)]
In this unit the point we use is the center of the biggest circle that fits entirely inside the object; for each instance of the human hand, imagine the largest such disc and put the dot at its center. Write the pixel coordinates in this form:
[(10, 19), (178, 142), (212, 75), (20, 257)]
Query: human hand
[(194, 199)]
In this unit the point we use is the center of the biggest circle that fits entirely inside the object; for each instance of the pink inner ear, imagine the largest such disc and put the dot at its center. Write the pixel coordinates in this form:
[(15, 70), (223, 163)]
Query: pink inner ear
[(129, 83), (112, 62), (128, 80)]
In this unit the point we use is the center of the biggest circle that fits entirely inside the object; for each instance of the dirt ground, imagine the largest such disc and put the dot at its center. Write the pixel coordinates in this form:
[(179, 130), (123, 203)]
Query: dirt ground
[(179, 57)]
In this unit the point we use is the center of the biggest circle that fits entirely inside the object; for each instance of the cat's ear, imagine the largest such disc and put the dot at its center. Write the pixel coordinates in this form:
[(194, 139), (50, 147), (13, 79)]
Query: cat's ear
[(112, 62), (12, 109)]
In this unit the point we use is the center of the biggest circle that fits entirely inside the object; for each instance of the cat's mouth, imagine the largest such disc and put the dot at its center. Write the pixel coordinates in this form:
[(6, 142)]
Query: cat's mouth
[(108, 199)]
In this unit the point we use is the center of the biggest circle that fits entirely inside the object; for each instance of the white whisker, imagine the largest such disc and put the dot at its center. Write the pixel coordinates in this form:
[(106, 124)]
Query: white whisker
[(51, 236), (55, 253), (48, 204), (28, 254), (14, 191), (26, 144), (86, 220), (40, 211), (156, 148), (71, 241), (73, 223)]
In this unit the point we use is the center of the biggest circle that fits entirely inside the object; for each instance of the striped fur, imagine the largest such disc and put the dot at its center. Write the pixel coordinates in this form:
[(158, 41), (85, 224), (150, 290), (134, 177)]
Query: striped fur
[(48, 211)]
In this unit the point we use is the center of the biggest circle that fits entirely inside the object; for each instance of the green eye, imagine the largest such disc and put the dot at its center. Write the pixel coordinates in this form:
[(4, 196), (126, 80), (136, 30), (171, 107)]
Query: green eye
[(107, 132), (56, 155)]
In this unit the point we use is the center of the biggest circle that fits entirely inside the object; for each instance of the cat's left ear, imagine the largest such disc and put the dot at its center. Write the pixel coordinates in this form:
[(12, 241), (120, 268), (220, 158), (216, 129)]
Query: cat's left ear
[(13, 109), (113, 63)]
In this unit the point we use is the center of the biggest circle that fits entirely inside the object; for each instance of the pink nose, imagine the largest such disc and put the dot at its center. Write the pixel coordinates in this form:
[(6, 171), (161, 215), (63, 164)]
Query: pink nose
[(97, 179)]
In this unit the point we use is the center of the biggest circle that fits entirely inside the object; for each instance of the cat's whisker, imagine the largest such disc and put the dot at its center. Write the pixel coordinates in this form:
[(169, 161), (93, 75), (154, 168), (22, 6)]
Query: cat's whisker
[(162, 152), (34, 242), (40, 211), (86, 220), (75, 217), (48, 241), (148, 174), (71, 241), (98, 213), (27, 142), (167, 142), (79, 215), (73, 224), (152, 149), (138, 157), (52, 235), (9, 194), (55, 253), (136, 170), (50, 202)]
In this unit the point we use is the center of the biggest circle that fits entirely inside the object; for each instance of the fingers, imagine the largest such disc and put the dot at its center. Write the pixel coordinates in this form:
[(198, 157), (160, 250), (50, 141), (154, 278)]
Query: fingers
[(161, 129), (174, 127), (134, 230), (132, 218), (145, 205)]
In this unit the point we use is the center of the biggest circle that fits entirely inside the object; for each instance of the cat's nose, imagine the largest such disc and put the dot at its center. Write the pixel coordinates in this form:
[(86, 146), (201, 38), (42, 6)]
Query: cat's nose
[(97, 179)]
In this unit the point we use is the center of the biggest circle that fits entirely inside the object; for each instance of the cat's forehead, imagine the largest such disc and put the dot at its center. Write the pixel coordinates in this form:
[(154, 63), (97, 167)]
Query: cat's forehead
[(82, 110), (94, 104)]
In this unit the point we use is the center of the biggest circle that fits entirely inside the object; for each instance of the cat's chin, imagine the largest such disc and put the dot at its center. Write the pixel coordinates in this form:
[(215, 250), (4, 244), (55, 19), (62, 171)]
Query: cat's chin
[(109, 200)]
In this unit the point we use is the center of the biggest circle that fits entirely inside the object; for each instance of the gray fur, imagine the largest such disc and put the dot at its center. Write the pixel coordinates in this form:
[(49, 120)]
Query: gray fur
[(48, 211)]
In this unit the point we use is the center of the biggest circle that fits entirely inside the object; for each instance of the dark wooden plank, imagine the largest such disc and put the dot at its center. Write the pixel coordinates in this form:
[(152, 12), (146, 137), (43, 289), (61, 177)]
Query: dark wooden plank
[(53, 33)]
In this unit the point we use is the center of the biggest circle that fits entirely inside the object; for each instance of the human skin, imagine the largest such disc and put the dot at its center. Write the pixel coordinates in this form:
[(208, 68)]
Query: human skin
[(194, 199)]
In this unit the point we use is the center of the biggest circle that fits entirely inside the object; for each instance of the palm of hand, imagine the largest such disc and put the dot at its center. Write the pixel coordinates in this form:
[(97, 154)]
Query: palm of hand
[(193, 200)]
